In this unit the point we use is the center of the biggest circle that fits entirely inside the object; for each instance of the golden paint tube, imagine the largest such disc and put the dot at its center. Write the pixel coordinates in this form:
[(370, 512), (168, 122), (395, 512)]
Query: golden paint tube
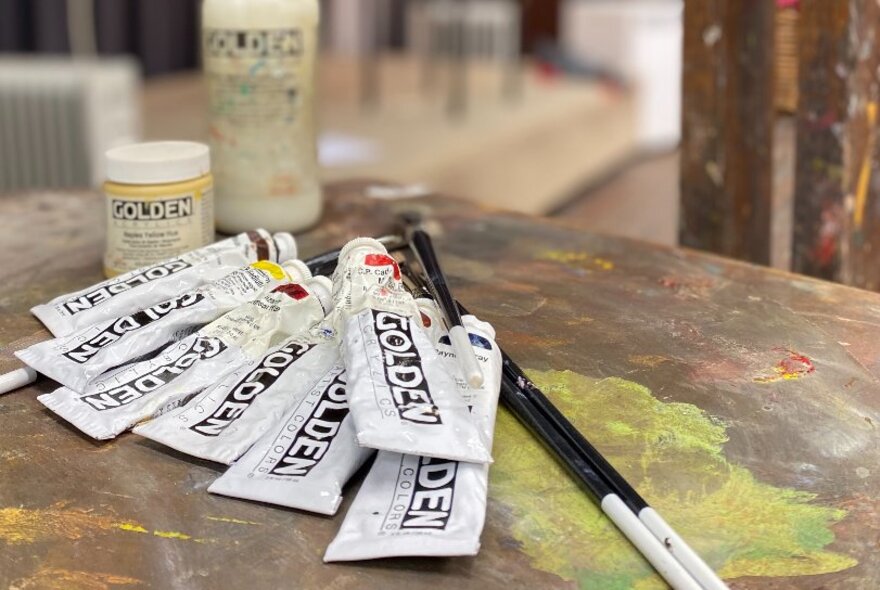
[(420, 506), (307, 459), (221, 423), (402, 398), (77, 360), (150, 285), (149, 388)]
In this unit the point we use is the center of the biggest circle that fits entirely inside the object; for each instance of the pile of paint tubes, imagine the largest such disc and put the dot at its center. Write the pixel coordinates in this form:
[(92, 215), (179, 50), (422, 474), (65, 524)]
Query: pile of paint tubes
[(236, 354)]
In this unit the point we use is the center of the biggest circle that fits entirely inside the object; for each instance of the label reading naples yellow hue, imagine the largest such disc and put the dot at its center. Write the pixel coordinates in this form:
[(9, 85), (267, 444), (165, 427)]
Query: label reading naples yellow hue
[(148, 224)]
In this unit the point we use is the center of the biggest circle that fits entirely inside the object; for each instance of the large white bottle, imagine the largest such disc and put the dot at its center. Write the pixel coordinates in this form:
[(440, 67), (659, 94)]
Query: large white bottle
[(260, 60)]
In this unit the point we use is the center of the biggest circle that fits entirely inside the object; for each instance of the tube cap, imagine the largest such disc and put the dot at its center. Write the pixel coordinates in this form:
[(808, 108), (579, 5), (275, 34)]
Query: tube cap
[(157, 162), (286, 246), (359, 243), (321, 288), (472, 322), (298, 270)]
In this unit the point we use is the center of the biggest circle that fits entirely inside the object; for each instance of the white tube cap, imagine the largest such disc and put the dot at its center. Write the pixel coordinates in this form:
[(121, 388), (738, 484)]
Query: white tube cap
[(361, 244), (472, 322), (285, 243), (297, 270), (321, 287), (157, 162), (18, 378)]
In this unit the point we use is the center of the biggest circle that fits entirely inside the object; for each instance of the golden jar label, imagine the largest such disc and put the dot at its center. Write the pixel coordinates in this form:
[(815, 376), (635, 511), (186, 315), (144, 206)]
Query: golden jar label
[(144, 230)]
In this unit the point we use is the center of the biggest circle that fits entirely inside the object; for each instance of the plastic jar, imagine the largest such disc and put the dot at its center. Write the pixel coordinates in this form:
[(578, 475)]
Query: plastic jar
[(160, 203), (260, 60)]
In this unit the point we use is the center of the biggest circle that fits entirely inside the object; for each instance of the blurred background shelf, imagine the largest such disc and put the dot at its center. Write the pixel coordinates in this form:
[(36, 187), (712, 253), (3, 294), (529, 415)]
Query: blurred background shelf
[(530, 152)]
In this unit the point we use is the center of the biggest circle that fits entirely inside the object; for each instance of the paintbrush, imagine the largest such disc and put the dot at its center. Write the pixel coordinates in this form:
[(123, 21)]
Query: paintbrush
[(421, 245), (588, 465), (653, 550), (616, 483)]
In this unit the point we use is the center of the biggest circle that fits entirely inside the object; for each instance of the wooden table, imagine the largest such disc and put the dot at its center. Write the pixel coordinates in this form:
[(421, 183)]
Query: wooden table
[(742, 402)]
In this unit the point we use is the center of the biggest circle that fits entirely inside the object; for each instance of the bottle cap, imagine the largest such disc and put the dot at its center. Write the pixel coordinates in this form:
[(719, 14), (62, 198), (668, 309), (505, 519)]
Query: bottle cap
[(321, 288), (298, 270), (286, 245), (158, 162)]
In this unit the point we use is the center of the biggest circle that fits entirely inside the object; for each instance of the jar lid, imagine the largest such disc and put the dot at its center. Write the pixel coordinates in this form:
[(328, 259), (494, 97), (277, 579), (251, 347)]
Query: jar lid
[(158, 162)]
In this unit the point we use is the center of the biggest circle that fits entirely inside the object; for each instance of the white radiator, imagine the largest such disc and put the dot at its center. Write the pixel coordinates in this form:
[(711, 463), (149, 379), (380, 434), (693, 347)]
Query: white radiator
[(58, 116)]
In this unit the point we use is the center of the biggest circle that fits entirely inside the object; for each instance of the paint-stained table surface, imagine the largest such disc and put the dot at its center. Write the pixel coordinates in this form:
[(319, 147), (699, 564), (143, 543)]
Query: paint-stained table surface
[(742, 402)]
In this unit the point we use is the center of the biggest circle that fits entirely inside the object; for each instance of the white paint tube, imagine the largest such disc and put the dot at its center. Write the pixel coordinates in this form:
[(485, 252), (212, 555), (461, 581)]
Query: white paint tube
[(77, 360), (402, 398), (305, 462), (482, 400), (150, 285), (224, 421), (149, 388), (419, 506)]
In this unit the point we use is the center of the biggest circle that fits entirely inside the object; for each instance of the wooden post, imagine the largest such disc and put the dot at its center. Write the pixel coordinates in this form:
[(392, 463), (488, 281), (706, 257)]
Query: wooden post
[(837, 186), (726, 168)]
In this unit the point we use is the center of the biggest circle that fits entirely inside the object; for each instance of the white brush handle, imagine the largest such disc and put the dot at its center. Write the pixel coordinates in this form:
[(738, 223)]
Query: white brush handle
[(464, 352), (17, 378), (649, 546), (681, 550)]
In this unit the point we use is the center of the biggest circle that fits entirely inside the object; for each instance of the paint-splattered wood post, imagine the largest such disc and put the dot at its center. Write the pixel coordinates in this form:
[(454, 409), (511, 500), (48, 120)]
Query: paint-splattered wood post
[(727, 128), (837, 202)]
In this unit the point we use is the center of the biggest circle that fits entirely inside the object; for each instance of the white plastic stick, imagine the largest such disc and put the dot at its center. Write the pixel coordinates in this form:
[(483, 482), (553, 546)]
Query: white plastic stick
[(681, 550), (649, 546), (464, 352), (17, 378)]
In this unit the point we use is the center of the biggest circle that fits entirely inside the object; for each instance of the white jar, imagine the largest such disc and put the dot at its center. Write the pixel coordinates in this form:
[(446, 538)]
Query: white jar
[(159, 203), (260, 59)]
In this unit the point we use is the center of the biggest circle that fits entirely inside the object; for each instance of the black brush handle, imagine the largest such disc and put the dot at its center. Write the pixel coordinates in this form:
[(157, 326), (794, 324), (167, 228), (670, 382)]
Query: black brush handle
[(427, 256)]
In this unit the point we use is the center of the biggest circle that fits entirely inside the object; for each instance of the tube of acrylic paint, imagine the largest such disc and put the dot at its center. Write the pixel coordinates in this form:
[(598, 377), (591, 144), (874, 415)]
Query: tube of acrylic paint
[(419, 506), (402, 399), (147, 286), (152, 387), (221, 423), (488, 355), (77, 360), (306, 461)]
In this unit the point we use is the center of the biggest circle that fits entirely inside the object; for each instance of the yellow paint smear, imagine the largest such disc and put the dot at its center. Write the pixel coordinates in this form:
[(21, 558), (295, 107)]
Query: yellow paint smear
[(132, 527), (172, 535), (53, 578), (673, 454), (26, 525), (865, 170), (23, 525), (232, 520), (579, 259)]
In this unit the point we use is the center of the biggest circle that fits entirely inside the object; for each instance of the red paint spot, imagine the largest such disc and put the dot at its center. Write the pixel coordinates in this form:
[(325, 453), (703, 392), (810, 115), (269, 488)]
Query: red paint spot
[(383, 260), (793, 366), (292, 290), (426, 321)]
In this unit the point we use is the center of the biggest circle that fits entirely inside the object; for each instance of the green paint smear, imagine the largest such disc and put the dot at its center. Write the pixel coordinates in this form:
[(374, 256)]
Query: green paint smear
[(672, 453)]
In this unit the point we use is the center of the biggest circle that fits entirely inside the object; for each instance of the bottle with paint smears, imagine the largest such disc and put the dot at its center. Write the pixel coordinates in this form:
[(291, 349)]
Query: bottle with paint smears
[(260, 63)]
